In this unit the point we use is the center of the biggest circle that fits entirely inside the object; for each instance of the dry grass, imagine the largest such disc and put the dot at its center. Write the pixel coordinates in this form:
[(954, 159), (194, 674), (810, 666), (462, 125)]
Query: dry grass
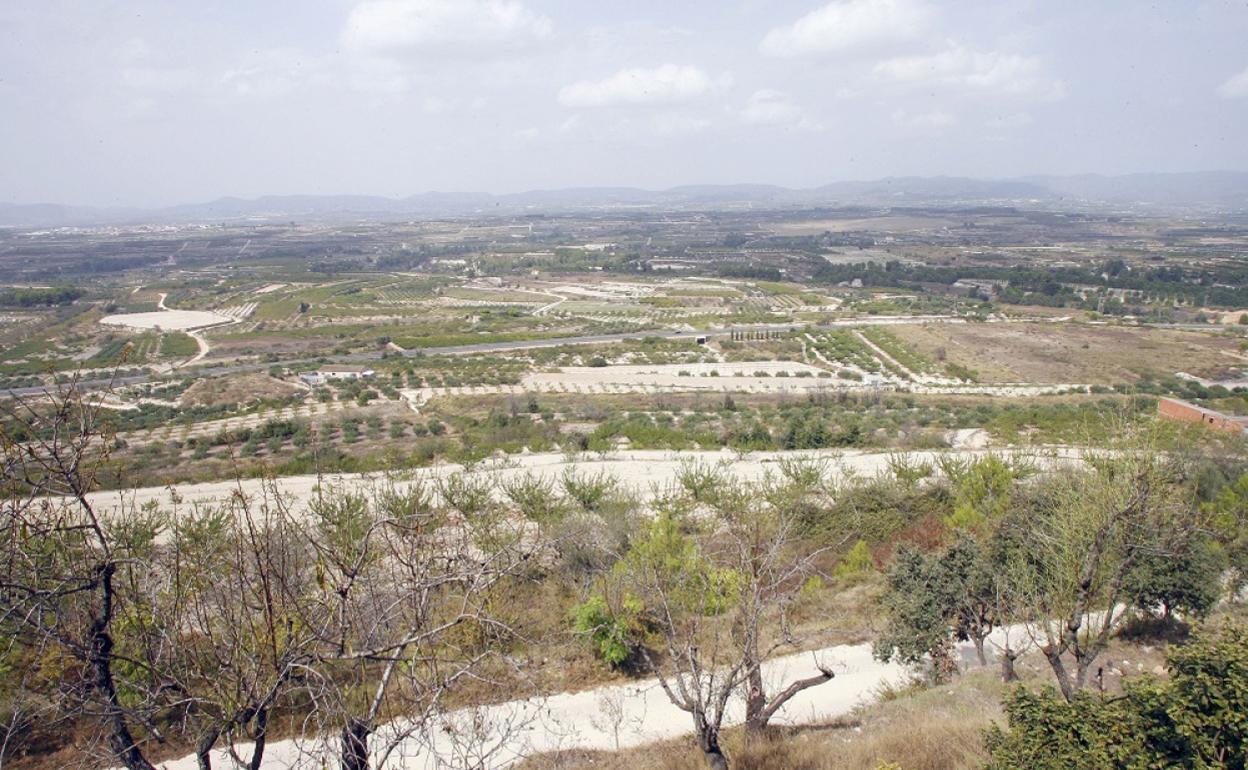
[(237, 389), (931, 729), (1069, 353)]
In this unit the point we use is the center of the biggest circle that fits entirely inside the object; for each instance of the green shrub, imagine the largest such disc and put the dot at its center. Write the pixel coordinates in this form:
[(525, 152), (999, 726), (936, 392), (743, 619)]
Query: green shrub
[(615, 633), (856, 564), (1195, 720)]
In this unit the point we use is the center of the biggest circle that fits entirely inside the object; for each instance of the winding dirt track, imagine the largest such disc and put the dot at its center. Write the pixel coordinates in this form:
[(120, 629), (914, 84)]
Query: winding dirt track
[(602, 718)]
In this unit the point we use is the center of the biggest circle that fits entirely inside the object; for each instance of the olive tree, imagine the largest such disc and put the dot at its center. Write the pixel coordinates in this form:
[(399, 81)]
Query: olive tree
[(934, 599), (1188, 581), (1192, 719)]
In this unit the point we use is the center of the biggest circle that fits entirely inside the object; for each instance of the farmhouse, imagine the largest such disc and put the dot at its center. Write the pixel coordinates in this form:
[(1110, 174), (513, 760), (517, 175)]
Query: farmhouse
[(327, 373), (1174, 409)]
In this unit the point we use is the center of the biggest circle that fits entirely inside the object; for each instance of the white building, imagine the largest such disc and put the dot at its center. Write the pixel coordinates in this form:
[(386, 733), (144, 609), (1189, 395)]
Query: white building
[(331, 373)]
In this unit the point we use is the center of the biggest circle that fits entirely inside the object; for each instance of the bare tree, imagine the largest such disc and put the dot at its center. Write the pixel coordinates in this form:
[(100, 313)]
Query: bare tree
[(63, 562), (763, 545), (718, 591), (238, 575), (402, 613)]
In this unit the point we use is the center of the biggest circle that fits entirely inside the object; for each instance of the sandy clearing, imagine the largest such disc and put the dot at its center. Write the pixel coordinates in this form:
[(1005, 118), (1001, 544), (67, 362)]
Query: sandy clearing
[(969, 438), (604, 291), (169, 320), (641, 471), (591, 380)]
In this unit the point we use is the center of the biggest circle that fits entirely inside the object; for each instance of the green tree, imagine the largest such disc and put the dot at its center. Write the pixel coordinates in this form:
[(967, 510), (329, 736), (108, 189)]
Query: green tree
[(856, 563), (1194, 720), (975, 599), (918, 606), (982, 490), (1079, 537), (1189, 580), (1229, 523), (615, 631), (934, 599)]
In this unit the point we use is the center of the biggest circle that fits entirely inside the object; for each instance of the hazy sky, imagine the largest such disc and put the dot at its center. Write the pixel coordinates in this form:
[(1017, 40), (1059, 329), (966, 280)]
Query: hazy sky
[(154, 102)]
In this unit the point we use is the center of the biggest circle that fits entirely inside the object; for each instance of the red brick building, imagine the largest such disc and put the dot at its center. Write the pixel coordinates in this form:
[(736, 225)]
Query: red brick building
[(1174, 409)]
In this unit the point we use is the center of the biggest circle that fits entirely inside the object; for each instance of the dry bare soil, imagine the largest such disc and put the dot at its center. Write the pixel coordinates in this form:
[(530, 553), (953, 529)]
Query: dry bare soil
[(237, 389), (1067, 352)]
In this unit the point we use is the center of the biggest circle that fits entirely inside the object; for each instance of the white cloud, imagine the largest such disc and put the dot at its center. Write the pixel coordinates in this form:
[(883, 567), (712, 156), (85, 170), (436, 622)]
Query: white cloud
[(936, 119), (139, 70), (434, 105), (1235, 87), (847, 25), (667, 84), (134, 49), (474, 27), (774, 108), (960, 67)]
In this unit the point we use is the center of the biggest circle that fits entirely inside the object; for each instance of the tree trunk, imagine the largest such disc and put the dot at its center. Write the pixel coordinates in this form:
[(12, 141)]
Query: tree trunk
[(755, 701), (355, 745), (715, 759), (120, 739), (1007, 665), (262, 730), (708, 741), (943, 663), (203, 747), (1082, 667), (979, 649), (1061, 674)]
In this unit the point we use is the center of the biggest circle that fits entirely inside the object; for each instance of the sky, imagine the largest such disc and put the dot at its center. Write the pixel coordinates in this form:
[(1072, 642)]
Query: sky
[(159, 102)]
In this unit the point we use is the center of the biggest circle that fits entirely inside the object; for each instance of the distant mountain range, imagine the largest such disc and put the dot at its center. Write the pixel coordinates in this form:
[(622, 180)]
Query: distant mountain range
[(1195, 192)]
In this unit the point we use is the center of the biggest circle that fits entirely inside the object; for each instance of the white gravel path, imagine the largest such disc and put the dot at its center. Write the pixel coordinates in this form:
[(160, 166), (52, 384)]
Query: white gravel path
[(640, 470), (603, 718)]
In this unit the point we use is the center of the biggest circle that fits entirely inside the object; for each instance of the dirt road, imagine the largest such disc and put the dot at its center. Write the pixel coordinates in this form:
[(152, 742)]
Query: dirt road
[(603, 718), (642, 471)]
